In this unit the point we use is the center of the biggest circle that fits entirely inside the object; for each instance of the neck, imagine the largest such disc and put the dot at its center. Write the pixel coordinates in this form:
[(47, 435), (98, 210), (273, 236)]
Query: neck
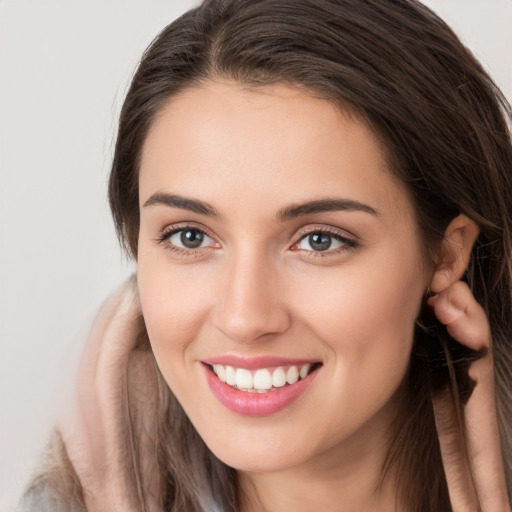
[(347, 477)]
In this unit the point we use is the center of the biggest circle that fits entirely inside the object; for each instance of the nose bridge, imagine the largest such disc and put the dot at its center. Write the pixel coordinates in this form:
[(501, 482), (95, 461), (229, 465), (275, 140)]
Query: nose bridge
[(252, 302)]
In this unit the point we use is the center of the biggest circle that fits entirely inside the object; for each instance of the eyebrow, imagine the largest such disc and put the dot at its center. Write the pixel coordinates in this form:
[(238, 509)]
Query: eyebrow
[(290, 212), (185, 203), (324, 205)]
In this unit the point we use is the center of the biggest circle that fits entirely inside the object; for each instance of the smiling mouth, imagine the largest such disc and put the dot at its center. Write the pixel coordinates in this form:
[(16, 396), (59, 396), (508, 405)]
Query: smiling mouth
[(262, 380)]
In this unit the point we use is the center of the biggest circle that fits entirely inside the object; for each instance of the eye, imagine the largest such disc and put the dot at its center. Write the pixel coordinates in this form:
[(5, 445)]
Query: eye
[(188, 238), (322, 241)]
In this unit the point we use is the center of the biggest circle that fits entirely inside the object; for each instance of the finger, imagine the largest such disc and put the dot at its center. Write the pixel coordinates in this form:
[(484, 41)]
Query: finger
[(463, 496), (483, 439), (119, 340), (464, 318), (80, 423), (466, 321)]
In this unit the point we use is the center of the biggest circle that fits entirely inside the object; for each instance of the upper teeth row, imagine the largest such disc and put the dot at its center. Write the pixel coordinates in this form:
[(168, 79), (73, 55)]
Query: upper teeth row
[(264, 378)]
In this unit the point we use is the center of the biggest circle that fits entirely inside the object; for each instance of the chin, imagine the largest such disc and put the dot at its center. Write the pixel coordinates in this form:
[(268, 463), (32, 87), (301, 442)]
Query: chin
[(261, 450), (257, 461)]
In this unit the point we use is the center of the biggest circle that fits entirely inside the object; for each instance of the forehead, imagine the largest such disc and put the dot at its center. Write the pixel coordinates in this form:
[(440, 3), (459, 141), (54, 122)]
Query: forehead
[(265, 146)]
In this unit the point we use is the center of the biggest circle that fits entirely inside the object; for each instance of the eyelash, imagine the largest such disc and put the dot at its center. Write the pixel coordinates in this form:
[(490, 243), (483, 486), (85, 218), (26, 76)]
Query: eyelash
[(165, 235), (348, 243)]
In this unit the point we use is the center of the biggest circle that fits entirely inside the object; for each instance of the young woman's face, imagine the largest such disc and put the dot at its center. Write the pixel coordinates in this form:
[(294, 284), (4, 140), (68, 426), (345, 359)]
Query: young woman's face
[(276, 251)]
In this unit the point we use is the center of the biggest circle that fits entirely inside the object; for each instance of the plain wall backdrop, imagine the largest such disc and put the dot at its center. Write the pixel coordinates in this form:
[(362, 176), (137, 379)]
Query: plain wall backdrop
[(64, 70)]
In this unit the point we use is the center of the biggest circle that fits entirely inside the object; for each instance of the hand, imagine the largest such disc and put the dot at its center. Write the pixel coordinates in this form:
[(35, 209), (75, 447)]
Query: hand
[(114, 398), (474, 467)]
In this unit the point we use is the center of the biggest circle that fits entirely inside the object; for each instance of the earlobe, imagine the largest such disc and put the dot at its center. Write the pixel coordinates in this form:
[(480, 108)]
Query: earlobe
[(454, 253)]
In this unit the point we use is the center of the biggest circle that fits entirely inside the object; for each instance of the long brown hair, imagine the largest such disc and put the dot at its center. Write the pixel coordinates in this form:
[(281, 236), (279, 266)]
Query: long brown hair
[(444, 125)]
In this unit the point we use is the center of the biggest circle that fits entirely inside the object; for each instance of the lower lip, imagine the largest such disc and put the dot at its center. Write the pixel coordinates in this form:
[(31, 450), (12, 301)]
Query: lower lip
[(256, 404)]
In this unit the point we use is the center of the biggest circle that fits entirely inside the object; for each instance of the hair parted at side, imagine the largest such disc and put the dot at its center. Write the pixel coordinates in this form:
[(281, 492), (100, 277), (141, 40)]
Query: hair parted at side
[(444, 126)]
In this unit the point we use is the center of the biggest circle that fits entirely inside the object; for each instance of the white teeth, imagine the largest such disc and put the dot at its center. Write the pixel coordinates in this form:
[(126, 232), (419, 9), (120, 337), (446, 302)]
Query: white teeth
[(278, 378), (220, 371), (262, 379), (304, 370), (292, 375), (243, 378), (230, 375)]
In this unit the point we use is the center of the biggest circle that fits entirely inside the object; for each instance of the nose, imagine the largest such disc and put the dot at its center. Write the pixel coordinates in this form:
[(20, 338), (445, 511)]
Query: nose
[(252, 301)]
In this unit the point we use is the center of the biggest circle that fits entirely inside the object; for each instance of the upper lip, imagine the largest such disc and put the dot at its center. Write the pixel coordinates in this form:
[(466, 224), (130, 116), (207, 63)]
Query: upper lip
[(253, 363)]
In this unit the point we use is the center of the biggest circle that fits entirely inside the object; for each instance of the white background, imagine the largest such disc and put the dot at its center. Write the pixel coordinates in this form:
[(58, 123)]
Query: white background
[(64, 69)]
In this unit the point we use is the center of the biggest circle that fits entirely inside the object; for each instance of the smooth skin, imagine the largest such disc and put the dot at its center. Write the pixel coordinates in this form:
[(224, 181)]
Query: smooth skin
[(228, 165), (255, 285)]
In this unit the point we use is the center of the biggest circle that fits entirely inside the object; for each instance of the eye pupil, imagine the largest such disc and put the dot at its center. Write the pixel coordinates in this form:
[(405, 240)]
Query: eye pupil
[(320, 241), (191, 238)]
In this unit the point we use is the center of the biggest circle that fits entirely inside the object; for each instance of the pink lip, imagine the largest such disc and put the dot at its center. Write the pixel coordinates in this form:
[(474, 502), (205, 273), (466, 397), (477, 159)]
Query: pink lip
[(256, 404), (253, 363)]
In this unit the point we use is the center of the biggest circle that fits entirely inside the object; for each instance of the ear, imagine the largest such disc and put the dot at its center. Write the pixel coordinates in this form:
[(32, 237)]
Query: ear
[(454, 253)]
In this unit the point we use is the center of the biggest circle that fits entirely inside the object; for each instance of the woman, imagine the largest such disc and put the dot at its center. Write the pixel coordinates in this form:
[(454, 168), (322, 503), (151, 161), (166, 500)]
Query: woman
[(311, 191)]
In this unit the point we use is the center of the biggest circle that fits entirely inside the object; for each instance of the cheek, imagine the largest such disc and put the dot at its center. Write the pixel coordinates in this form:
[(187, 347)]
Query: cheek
[(174, 305), (362, 302), (366, 317)]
